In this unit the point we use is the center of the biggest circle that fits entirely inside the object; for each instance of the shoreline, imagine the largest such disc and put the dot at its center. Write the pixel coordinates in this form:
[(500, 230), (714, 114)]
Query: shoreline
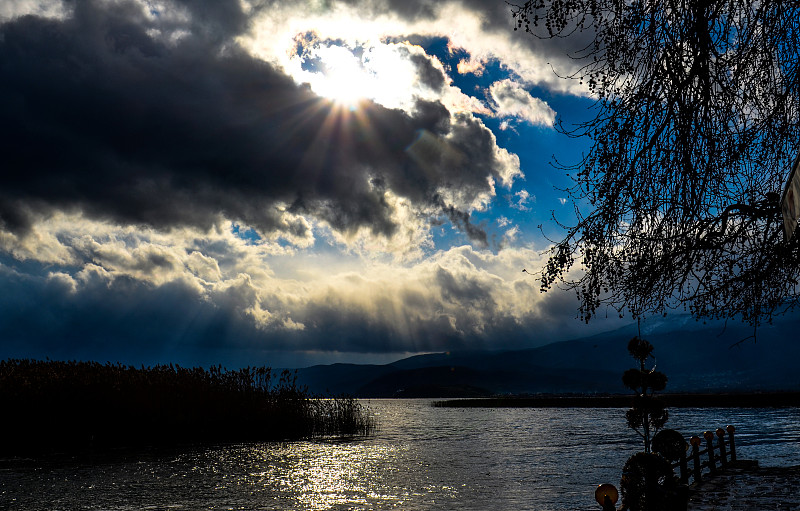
[(681, 400)]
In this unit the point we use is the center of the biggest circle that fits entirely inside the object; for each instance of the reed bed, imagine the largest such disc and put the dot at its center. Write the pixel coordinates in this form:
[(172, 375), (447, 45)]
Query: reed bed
[(53, 406)]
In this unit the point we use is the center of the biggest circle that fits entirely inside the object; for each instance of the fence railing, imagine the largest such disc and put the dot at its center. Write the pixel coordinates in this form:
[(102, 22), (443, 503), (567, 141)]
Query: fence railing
[(705, 459), (711, 457)]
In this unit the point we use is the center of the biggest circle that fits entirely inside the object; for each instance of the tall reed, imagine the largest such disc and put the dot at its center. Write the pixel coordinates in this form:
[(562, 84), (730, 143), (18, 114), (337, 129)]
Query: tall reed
[(67, 406)]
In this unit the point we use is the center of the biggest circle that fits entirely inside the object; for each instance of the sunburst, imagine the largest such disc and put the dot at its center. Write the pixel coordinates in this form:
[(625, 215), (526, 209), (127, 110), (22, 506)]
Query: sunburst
[(376, 73)]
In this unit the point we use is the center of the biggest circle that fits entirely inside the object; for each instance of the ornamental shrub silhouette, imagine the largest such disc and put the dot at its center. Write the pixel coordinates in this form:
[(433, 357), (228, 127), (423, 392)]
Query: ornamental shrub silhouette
[(647, 478), (648, 484), (647, 415)]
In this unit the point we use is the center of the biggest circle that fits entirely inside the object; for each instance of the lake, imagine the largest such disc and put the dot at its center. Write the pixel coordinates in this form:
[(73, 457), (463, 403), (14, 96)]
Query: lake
[(420, 458)]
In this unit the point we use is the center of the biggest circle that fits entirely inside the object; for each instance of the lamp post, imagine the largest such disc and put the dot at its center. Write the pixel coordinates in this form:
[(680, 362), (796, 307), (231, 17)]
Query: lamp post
[(606, 495)]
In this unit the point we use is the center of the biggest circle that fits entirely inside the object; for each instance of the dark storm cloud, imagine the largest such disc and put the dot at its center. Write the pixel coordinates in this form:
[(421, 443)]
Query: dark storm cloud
[(461, 219), (459, 301), (463, 289), (429, 75), (215, 19), (124, 320), (97, 114), (133, 322)]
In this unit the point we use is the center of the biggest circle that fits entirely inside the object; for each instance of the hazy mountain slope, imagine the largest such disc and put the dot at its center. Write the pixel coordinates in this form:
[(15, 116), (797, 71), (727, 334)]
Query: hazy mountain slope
[(337, 379), (695, 357)]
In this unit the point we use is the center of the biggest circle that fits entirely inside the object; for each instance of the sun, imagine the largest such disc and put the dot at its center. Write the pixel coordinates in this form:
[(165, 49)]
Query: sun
[(349, 77), (342, 77)]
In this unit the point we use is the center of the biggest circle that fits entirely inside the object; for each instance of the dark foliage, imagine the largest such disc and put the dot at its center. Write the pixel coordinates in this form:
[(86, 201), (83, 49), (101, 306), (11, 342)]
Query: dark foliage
[(648, 484), (77, 406), (694, 132), (670, 444)]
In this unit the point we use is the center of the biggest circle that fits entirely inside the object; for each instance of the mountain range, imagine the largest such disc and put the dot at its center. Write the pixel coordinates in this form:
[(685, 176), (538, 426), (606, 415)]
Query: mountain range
[(696, 357)]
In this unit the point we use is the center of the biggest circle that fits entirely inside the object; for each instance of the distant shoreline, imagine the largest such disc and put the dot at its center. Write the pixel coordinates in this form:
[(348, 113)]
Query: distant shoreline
[(725, 400)]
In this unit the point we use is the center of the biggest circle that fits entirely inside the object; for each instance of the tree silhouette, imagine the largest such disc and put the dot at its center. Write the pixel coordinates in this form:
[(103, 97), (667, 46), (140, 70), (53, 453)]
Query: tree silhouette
[(695, 130)]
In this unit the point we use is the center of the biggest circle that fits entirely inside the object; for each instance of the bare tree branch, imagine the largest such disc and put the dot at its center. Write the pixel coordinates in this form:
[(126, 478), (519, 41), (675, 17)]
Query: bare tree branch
[(696, 128)]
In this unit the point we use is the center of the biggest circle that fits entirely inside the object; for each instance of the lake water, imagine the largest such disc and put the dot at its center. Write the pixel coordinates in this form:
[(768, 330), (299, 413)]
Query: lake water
[(421, 458)]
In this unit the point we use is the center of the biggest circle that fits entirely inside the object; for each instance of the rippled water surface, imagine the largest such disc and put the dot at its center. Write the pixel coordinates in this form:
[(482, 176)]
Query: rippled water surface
[(421, 458)]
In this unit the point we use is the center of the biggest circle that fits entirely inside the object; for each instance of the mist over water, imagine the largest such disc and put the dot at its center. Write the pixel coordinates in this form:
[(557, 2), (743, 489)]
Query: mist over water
[(420, 458)]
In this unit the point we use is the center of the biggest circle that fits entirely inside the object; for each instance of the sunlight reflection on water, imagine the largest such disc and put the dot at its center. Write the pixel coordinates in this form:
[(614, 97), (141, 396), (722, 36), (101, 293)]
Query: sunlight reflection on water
[(421, 458)]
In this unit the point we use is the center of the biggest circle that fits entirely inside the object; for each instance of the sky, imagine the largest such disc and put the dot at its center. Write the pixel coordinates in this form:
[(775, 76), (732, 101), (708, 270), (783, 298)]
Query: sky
[(280, 183)]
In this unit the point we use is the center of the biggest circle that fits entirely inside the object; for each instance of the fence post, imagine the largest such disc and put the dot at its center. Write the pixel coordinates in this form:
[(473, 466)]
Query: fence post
[(695, 441), (731, 429), (709, 436), (722, 453)]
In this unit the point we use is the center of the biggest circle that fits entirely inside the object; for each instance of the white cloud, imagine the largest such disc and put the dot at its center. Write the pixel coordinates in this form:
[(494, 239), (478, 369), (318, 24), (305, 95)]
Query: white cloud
[(510, 166), (386, 73), (345, 56), (56, 9), (472, 65), (523, 200), (275, 30), (512, 100), (65, 280), (203, 267), (460, 295), (409, 242), (511, 234)]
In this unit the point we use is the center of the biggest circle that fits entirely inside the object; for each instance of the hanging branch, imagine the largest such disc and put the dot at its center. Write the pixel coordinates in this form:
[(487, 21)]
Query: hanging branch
[(697, 124)]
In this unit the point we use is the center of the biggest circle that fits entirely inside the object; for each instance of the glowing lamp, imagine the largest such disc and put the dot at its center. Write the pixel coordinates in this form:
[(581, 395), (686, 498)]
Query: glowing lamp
[(606, 490)]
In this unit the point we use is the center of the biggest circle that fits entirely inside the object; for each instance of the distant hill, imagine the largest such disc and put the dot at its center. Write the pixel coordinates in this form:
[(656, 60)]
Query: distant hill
[(697, 357)]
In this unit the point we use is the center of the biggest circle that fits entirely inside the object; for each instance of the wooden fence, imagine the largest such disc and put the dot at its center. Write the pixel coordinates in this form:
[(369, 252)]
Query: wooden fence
[(705, 459), (710, 458)]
